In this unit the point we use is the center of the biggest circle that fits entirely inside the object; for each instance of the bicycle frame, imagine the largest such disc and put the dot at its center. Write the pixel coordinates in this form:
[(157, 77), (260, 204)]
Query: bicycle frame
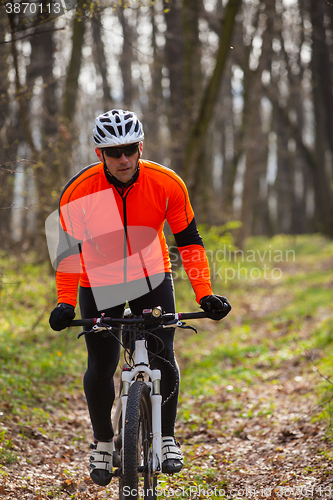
[(141, 368)]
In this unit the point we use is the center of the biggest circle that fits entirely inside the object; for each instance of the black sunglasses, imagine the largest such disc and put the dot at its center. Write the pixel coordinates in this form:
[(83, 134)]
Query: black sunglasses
[(129, 150)]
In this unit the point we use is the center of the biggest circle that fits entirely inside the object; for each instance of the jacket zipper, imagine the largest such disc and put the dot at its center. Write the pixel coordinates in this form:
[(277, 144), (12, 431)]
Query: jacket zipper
[(126, 242), (125, 230)]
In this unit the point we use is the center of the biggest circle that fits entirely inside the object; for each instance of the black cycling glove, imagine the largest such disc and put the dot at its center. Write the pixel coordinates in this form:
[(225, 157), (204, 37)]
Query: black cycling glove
[(61, 316), (216, 306)]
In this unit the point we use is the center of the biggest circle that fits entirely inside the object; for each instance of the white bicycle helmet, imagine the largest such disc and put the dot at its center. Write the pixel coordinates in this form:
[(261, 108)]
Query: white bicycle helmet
[(117, 128)]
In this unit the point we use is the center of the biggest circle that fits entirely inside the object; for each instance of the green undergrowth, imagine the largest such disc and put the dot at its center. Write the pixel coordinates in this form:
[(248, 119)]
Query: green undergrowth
[(39, 367)]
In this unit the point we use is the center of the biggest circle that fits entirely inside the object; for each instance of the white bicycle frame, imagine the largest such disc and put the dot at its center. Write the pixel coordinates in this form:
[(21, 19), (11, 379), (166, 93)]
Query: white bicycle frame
[(141, 367)]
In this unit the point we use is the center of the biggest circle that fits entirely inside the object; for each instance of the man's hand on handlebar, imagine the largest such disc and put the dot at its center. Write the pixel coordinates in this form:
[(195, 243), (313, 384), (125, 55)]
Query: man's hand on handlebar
[(216, 306), (61, 316)]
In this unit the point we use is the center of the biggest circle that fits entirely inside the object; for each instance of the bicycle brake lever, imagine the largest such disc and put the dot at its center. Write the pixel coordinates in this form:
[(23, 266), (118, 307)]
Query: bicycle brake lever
[(180, 324), (84, 332), (95, 329)]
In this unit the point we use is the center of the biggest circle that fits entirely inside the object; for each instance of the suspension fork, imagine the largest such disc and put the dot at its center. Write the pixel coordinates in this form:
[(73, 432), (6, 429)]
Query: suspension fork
[(128, 377)]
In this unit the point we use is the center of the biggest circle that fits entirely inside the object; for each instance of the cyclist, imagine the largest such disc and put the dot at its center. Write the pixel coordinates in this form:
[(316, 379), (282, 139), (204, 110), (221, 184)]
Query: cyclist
[(112, 245)]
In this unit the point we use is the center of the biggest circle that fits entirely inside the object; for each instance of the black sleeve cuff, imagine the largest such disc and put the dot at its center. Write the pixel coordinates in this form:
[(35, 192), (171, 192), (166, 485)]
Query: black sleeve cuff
[(189, 236)]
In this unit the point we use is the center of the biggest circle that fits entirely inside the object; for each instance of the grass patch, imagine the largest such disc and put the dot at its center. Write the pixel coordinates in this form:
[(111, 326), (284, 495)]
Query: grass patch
[(7, 456), (38, 365)]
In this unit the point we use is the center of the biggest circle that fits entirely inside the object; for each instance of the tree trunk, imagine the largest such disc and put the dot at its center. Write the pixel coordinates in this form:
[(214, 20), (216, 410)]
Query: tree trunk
[(252, 127), (198, 133), (323, 105), (99, 57), (192, 73), (322, 65), (7, 151), (126, 58), (73, 71), (155, 109), (230, 158), (52, 175), (261, 224), (174, 61), (284, 180)]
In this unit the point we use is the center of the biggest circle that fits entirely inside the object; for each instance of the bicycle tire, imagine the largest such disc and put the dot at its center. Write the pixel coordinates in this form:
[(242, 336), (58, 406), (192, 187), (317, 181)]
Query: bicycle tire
[(138, 445), (118, 449), (118, 440)]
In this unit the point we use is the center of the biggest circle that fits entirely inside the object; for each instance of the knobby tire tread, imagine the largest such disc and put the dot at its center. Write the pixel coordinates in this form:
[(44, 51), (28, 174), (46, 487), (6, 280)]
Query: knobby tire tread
[(138, 397)]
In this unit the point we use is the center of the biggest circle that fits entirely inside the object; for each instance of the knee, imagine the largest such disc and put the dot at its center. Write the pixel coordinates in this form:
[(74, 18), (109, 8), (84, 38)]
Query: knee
[(103, 357), (101, 369)]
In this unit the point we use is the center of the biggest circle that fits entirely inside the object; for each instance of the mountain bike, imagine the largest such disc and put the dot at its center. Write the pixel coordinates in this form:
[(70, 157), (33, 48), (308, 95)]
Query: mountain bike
[(137, 419)]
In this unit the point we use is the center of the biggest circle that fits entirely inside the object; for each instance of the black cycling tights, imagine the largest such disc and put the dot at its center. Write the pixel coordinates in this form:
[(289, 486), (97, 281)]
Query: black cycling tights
[(103, 358)]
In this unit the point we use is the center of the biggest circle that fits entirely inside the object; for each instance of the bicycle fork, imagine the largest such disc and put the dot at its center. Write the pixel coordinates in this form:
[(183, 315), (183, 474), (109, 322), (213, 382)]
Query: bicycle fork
[(128, 377)]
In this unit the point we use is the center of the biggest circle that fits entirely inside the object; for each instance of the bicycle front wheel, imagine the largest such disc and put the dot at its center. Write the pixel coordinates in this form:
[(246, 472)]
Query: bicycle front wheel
[(138, 457)]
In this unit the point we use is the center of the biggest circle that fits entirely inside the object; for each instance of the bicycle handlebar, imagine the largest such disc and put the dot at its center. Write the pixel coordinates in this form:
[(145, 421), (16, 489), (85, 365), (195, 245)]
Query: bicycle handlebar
[(163, 319)]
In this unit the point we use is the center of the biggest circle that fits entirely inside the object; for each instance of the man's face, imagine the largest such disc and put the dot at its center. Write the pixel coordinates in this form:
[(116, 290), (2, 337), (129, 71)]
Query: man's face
[(122, 168)]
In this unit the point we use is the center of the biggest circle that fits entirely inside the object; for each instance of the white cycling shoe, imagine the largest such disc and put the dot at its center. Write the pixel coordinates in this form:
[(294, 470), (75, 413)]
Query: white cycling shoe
[(100, 462), (172, 457)]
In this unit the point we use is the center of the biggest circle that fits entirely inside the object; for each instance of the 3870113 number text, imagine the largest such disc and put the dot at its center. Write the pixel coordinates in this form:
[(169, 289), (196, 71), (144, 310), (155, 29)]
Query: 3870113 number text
[(33, 8)]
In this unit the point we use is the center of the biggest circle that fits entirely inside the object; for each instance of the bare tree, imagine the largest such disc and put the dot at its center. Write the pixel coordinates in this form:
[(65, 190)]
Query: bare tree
[(197, 135)]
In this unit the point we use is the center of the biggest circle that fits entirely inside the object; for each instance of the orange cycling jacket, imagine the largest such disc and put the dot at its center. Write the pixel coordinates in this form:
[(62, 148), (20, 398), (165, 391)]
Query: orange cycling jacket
[(111, 235)]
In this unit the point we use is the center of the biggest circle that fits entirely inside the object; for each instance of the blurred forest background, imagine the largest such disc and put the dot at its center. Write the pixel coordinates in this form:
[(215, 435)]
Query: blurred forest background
[(235, 95)]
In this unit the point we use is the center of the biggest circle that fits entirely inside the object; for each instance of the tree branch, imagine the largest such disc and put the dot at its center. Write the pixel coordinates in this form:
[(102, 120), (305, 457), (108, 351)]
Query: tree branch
[(308, 356), (30, 34)]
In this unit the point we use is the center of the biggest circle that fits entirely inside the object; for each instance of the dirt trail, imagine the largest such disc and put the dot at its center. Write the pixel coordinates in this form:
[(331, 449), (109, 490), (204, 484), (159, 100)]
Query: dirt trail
[(281, 457), (284, 456)]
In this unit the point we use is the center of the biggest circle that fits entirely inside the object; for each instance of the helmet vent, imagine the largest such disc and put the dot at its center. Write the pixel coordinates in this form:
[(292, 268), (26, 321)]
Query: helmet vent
[(100, 131), (120, 129), (128, 127), (136, 127), (110, 129)]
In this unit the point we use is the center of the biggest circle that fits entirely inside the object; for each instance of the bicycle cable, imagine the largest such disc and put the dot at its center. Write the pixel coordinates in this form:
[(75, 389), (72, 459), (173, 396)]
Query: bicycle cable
[(156, 355), (130, 359), (111, 334)]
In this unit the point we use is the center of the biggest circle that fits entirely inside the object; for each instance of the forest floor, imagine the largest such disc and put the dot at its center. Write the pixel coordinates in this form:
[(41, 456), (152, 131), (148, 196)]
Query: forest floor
[(250, 420)]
